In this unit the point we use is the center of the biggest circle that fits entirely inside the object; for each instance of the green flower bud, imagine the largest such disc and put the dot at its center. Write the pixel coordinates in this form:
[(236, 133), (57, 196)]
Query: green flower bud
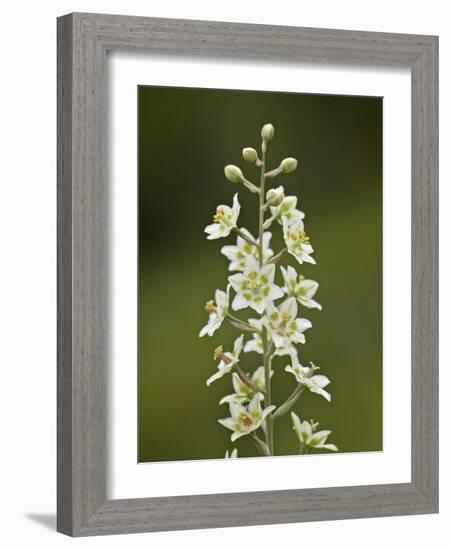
[(288, 165), (267, 132), (249, 154), (275, 196), (233, 173)]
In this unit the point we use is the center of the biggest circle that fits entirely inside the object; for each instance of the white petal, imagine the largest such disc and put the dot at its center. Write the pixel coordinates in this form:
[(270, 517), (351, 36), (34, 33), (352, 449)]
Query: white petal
[(320, 380), (275, 292), (257, 306), (230, 252), (256, 323), (267, 411), (289, 306), (251, 264), (221, 299), (255, 404), (303, 324), (297, 423), (229, 423), (239, 302), (271, 309), (266, 239), (238, 343), (237, 409), (252, 345), (236, 207), (237, 435), (215, 377), (329, 447), (268, 271)]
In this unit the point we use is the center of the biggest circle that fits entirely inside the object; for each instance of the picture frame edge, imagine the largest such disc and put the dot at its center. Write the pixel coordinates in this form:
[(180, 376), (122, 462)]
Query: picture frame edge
[(82, 505)]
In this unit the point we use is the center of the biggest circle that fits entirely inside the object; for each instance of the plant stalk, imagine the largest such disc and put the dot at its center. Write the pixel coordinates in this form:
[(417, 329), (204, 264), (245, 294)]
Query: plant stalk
[(266, 358)]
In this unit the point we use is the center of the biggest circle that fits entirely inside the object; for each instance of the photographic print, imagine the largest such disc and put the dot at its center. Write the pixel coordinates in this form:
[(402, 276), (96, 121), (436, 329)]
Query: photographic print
[(260, 274)]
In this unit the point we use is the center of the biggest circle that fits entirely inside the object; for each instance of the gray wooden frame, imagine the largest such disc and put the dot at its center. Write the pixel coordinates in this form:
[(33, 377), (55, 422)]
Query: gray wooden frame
[(83, 40)]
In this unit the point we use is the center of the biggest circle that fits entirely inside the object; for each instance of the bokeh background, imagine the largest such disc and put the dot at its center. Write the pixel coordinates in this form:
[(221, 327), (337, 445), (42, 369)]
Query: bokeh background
[(186, 136)]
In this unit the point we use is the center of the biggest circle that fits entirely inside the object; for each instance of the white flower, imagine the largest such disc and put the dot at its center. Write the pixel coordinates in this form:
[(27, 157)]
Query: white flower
[(315, 383), (287, 209), (300, 288), (237, 253), (233, 454), (217, 312), (297, 242), (225, 220), (244, 420), (244, 393), (227, 360), (283, 325), (256, 343), (254, 287), (308, 437)]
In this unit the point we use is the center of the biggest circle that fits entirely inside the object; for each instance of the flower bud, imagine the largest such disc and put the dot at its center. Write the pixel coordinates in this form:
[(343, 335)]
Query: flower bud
[(249, 154), (267, 132), (275, 196), (233, 173), (288, 165)]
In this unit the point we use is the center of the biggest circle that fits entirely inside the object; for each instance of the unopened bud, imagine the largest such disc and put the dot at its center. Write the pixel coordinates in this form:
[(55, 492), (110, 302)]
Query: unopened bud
[(267, 132), (288, 165), (275, 196), (249, 154), (233, 173)]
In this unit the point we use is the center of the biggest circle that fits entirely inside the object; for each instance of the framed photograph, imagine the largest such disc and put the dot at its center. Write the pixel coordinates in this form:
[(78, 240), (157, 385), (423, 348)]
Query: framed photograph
[(247, 274)]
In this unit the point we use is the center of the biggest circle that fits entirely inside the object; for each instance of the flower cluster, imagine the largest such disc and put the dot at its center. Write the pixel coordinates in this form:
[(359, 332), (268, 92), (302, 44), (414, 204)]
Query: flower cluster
[(279, 328)]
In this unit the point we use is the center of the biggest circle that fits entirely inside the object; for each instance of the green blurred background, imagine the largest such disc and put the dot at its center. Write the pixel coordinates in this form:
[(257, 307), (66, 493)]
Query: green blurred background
[(186, 136)]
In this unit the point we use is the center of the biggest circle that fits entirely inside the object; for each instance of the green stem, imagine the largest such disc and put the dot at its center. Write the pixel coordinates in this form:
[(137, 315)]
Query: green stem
[(246, 380), (292, 399), (260, 445), (274, 259), (244, 236), (304, 449), (266, 358), (289, 403), (243, 323)]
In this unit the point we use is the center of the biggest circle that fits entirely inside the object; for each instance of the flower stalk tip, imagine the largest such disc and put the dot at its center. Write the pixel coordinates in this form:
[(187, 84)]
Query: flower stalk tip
[(267, 132)]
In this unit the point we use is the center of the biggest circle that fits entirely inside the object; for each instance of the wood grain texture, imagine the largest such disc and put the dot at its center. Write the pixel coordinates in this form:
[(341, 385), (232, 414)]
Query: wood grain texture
[(83, 40)]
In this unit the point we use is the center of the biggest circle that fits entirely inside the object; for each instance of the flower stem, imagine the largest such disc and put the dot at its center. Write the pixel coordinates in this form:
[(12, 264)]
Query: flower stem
[(260, 445), (240, 324), (246, 380), (266, 358), (289, 403), (292, 399), (274, 259), (244, 236)]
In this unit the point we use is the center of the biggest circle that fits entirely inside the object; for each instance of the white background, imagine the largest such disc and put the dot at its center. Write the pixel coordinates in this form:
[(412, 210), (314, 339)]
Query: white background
[(27, 299)]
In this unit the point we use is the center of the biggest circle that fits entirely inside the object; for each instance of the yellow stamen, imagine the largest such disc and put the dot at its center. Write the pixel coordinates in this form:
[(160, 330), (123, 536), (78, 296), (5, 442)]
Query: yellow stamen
[(247, 421), (302, 237), (220, 213), (285, 318), (210, 306), (314, 425), (218, 352)]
